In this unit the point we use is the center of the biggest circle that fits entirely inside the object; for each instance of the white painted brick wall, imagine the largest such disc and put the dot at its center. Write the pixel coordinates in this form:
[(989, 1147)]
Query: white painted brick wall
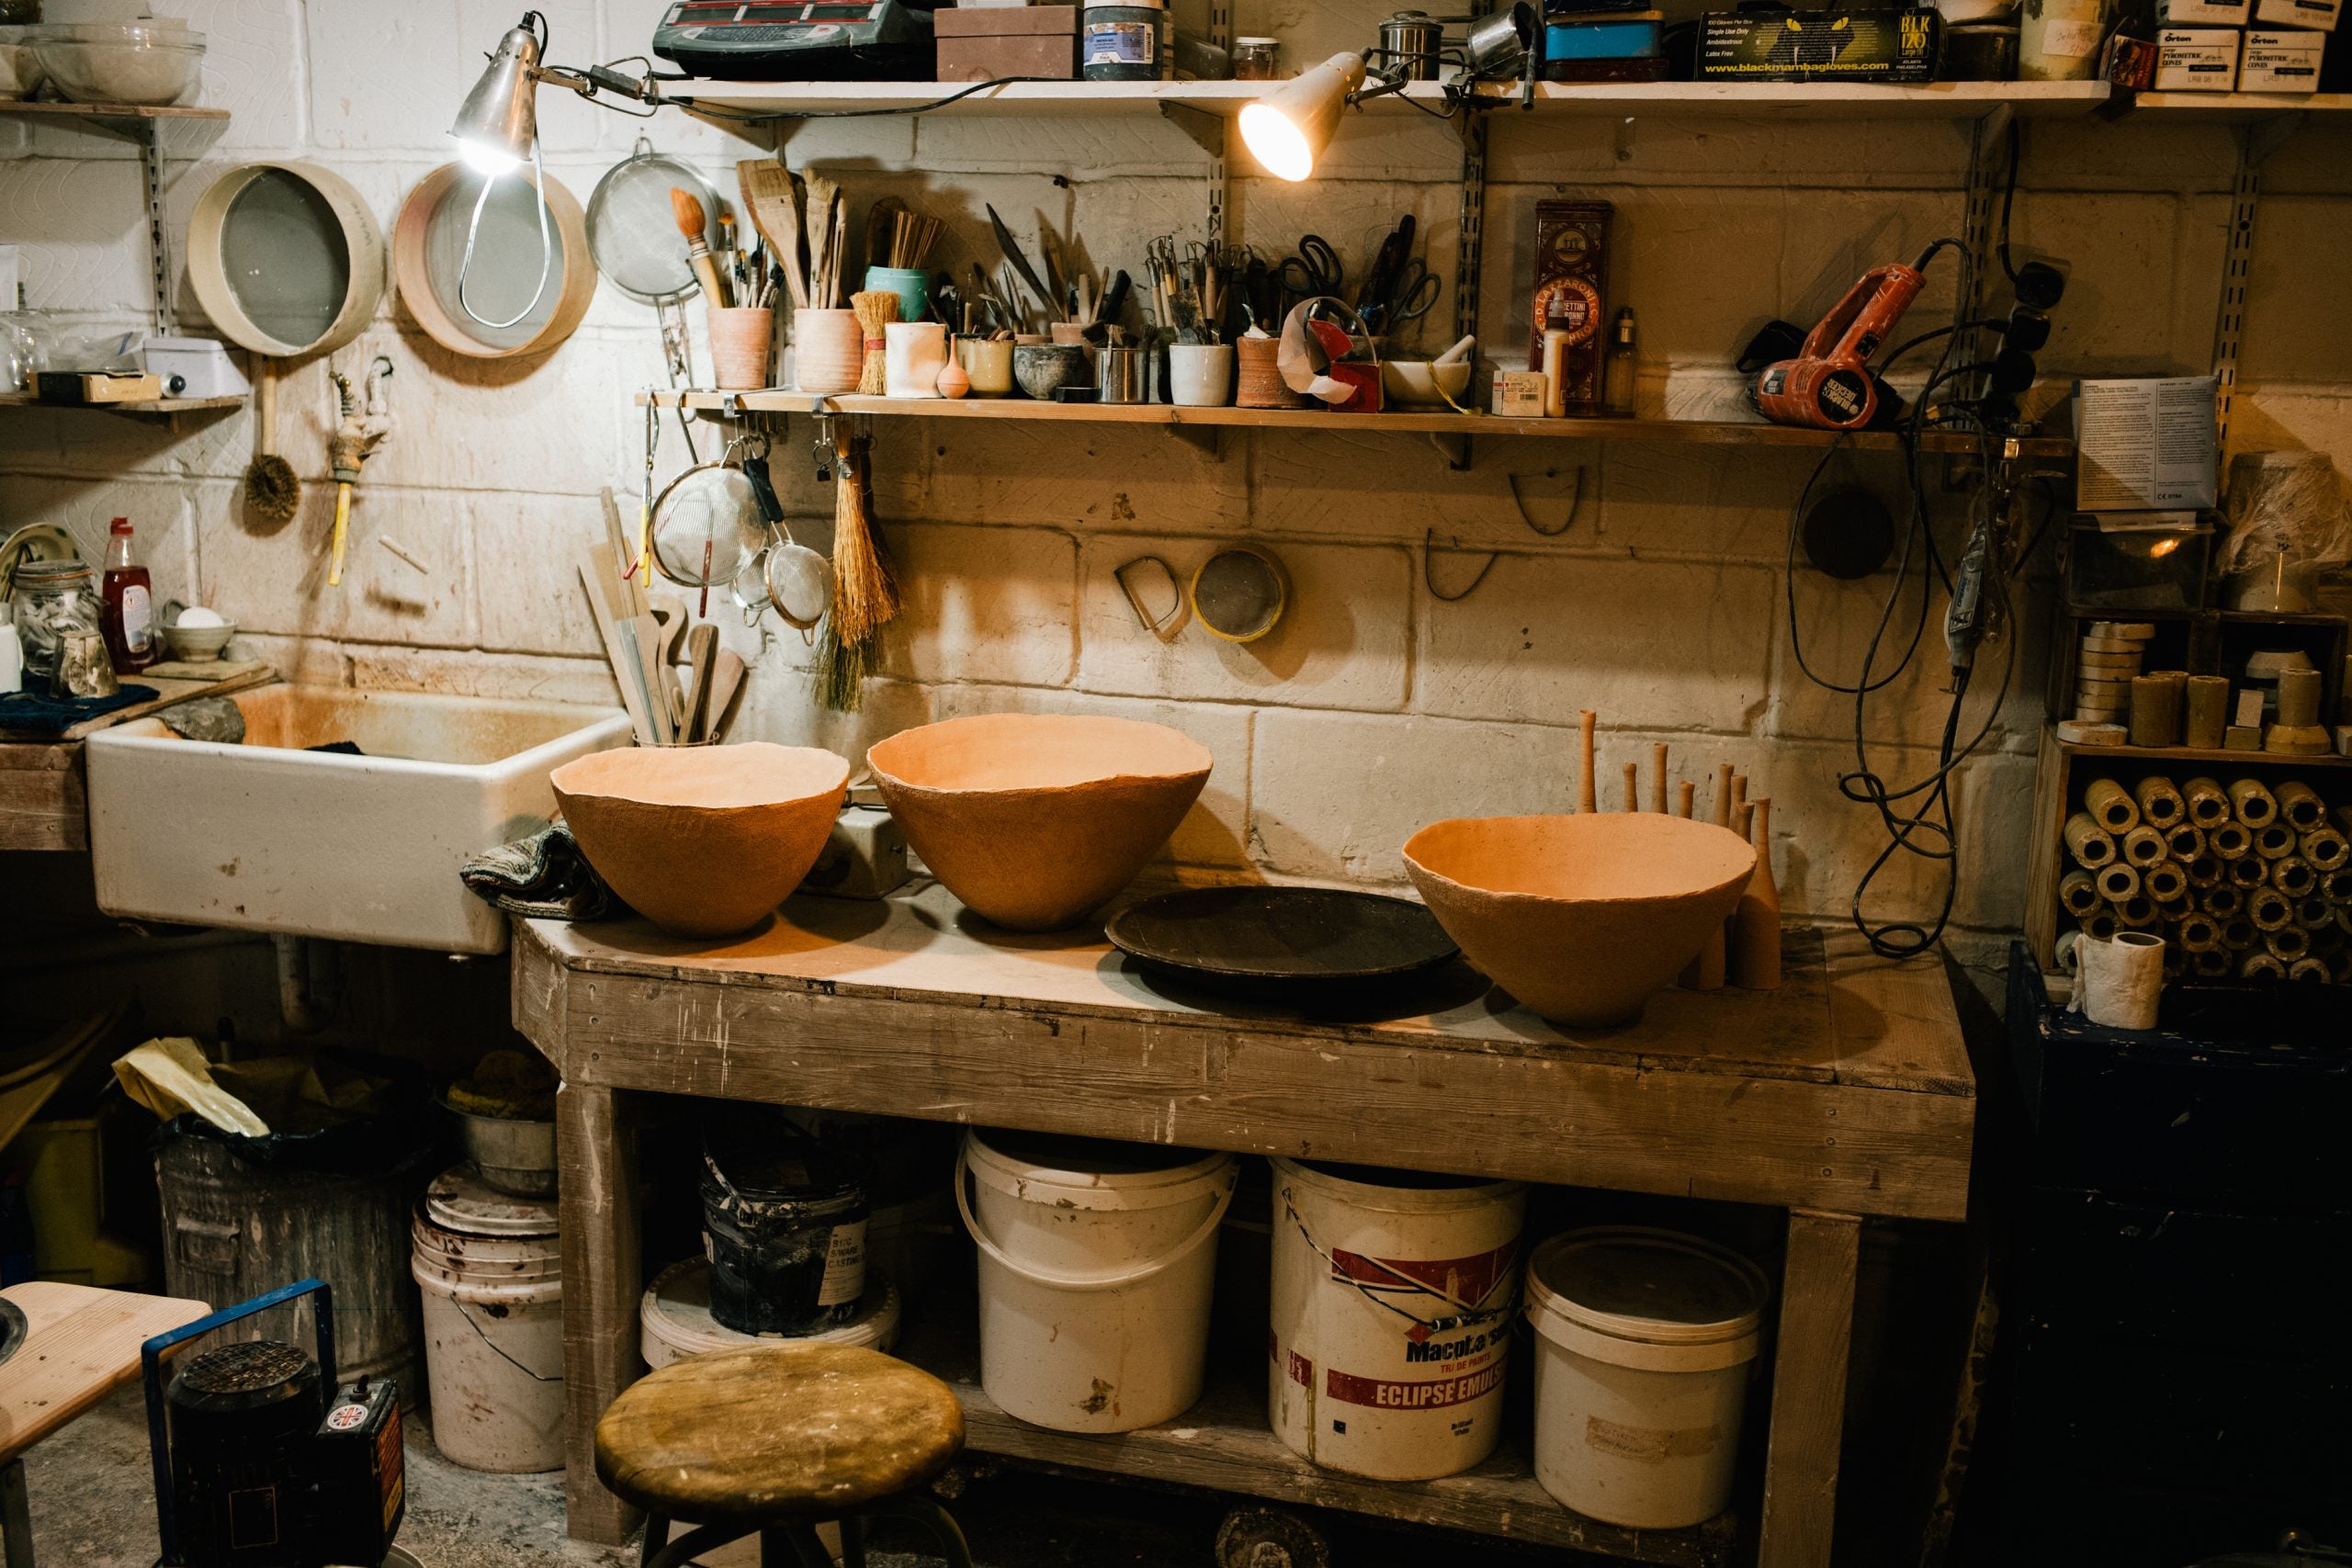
[(1377, 706)]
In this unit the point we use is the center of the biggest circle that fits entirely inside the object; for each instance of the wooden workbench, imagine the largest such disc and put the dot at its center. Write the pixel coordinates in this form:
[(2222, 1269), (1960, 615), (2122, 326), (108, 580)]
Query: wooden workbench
[(1844, 1094)]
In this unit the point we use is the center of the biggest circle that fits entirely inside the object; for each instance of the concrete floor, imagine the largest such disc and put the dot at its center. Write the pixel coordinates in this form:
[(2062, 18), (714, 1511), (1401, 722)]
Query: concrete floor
[(92, 1506)]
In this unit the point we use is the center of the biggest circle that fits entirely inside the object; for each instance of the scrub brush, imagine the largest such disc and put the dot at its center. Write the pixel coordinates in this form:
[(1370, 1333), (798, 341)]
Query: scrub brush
[(877, 309), (272, 487), (866, 592)]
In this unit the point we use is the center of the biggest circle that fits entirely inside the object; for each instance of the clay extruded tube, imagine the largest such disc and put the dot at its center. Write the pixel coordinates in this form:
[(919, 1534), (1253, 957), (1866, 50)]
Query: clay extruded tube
[(2077, 893), (2269, 909), (2184, 842), (2288, 943), (2110, 806), (2315, 914), (2248, 871), (2087, 841), (2326, 849), (2118, 882), (2155, 708), (2142, 846), (2300, 805), (2222, 903), (2207, 712), (2160, 802), (2137, 911), (2102, 925), (2213, 966), (2299, 693), (2293, 876), (1686, 798), (1657, 778), (2229, 841), (2251, 804), (2209, 804), (2261, 966), (2239, 934), (2308, 969), (1633, 786), (1722, 805), (2338, 888), (2274, 841), (2200, 933), (1743, 818), (1586, 794), (1755, 953), (2165, 882), (2204, 871), (1738, 796)]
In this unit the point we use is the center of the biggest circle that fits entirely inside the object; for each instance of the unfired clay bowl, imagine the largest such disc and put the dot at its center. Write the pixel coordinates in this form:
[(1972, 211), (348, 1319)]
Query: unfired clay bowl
[(1033, 820), (702, 840), (1580, 917)]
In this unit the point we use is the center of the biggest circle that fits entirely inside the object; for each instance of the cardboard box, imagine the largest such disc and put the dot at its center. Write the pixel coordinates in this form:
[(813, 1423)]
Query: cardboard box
[(2196, 60), (2205, 13), (2317, 14), (979, 43), (1819, 46), (2282, 60), (1519, 394)]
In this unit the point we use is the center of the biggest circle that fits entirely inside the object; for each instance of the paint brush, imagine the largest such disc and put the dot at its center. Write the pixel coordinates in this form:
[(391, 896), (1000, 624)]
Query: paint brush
[(687, 208)]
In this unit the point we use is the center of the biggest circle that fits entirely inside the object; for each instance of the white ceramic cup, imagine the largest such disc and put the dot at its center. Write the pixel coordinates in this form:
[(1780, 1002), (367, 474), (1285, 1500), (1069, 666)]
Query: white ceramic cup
[(1199, 375), (2120, 979), (915, 352)]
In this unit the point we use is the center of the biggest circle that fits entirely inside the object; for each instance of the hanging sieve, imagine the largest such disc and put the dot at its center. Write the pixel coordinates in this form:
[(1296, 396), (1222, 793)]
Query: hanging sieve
[(286, 258), (633, 231), (708, 524)]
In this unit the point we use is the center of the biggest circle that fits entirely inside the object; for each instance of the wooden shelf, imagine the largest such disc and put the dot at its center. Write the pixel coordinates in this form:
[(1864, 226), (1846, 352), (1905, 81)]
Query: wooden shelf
[(145, 405), (1788, 100), (1224, 1444), (2201, 754), (1675, 431), (2233, 107), (113, 112)]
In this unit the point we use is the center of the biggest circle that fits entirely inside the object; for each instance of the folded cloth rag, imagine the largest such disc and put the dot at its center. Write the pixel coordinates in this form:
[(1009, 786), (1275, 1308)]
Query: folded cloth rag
[(38, 714), (541, 877)]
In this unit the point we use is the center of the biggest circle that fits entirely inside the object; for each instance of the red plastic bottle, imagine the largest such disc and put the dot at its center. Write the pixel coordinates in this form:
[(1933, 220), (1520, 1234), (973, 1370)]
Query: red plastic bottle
[(128, 619)]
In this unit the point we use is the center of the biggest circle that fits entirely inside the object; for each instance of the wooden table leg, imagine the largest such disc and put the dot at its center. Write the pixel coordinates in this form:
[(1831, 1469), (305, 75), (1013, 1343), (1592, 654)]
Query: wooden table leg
[(1809, 1390), (15, 1514), (596, 1154)]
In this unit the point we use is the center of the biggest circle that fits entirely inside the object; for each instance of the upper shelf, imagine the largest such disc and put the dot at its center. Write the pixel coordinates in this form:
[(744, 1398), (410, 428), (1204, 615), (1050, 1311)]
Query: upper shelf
[(144, 405), (1790, 100)]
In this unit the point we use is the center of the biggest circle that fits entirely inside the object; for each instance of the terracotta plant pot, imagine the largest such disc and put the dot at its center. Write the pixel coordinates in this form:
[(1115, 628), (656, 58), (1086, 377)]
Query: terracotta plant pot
[(1580, 917), (702, 840), (1033, 820)]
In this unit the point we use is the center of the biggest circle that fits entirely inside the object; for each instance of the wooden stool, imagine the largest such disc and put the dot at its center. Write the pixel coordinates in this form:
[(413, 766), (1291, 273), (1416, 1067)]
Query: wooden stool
[(775, 1439)]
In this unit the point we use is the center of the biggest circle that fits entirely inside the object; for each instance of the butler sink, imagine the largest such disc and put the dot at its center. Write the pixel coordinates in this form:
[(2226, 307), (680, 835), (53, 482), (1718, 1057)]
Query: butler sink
[(273, 836)]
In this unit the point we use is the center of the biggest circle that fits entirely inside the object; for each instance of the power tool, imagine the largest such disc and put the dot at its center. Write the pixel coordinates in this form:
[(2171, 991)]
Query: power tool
[(1829, 384), (256, 1466)]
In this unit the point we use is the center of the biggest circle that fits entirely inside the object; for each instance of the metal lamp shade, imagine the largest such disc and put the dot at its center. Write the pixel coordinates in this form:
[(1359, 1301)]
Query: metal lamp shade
[(499, 122), (1287, 129)]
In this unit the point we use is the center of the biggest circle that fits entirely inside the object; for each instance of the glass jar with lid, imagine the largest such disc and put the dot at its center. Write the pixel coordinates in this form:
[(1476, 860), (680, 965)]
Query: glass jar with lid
[(53, 598), (1257, 60)]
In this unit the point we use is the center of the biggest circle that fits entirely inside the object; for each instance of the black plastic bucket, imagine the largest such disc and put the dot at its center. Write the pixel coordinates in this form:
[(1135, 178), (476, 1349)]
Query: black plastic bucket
[(786, 1247)]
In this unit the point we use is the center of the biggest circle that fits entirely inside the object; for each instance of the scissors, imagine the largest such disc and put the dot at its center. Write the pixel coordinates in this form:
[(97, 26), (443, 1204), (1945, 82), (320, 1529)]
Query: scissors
[(1314, 270), (1414, 296)]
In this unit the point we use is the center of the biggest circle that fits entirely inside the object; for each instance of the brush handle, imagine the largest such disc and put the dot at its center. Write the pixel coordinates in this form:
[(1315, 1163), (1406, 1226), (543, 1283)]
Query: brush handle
[(714, 292)]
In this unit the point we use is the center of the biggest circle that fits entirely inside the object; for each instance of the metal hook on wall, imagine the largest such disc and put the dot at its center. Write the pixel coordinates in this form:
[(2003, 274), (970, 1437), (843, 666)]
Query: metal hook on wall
[(1575, 499), (1430, 548)]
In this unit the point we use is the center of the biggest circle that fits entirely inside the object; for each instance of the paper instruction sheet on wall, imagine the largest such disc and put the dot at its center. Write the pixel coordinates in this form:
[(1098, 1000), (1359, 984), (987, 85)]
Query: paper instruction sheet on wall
[(2145, 445)]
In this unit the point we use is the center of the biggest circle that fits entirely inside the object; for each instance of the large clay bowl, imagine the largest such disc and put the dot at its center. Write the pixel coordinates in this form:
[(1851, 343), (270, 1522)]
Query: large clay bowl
[(702, 840), (1033, 820), (1580, 917)]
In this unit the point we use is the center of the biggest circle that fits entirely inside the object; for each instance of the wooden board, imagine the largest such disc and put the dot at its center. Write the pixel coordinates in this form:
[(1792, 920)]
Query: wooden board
[(1224, 1444), (1810, 1349), (1675, 431), (251, 674), (1846, 1087), (134, 405), (82, 1345), (43, 802), (111, 111)]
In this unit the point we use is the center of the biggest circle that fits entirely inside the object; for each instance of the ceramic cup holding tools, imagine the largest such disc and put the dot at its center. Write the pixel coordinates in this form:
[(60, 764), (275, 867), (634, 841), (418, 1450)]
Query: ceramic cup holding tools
[(1199, 375), (828, 351), (915, 352), (910, 284), (989, 363), (740, 338)]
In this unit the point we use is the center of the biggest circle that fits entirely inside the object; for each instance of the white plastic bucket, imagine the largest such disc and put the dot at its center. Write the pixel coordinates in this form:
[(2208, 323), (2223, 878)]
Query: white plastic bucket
[(675, 1318), (490, 1267), (1095, 1275), (1645, 1345), (1394, 1298)]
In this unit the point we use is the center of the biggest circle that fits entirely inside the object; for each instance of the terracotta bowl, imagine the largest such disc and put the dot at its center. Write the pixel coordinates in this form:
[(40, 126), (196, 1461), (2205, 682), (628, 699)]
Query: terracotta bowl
[(1033, 820), (702, 840), (1580, 917)]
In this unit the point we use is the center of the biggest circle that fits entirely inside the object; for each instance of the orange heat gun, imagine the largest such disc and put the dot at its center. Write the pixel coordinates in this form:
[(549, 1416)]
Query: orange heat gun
[(1828, 384)]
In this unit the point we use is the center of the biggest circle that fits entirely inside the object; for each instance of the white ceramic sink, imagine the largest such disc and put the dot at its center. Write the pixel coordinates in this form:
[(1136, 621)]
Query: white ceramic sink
[(269, 836)]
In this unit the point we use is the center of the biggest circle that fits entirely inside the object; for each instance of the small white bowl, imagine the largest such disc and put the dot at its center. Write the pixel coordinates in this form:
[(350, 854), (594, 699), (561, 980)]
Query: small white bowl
[(1423, 384), (198, 645)]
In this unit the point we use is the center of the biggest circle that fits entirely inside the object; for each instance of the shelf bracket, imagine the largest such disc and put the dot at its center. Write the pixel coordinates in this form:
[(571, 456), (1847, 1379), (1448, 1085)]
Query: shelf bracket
[(1454, 446), (1470, 252), (1208, 438), (1987, 167), (159, 235), (1207, 131), (2257, 142)]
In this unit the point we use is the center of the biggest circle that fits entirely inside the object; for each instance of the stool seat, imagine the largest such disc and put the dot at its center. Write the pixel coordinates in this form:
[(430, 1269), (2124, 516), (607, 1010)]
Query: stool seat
[(767, 1434)]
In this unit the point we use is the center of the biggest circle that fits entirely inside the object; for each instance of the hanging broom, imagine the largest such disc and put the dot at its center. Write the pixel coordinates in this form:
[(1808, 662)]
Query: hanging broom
[(865, 595), (877, 309)]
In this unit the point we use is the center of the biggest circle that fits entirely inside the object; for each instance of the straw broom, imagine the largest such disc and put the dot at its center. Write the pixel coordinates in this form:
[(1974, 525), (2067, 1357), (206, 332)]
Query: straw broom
[(866, 593), (877, 309)]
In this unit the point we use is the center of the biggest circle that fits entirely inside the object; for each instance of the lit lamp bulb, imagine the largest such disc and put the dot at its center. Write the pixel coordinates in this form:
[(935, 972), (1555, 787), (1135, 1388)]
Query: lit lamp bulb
[(498, 123), (1287, 129)]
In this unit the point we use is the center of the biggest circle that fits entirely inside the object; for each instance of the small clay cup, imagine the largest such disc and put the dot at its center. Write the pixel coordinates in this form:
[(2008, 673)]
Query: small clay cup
[(1045, 368), (740, 340), (1259, 382), (989, 363), (828, 351), (704, 841), (1033, 819), (1580, 917)]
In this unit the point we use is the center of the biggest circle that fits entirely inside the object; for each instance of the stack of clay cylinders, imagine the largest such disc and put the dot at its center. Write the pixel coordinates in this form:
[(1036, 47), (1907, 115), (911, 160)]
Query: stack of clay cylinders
[(2110, 658), (2249, 878)]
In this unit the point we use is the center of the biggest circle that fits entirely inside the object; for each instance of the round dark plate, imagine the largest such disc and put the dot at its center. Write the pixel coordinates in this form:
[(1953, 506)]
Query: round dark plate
[(1261, 934)]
